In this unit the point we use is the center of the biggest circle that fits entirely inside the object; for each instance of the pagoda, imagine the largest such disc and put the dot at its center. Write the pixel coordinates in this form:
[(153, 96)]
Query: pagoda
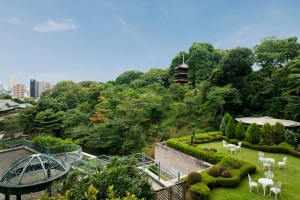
[(181, 75)]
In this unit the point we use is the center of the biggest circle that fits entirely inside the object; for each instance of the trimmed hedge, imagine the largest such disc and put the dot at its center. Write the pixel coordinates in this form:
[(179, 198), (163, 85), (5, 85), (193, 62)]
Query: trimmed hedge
[(199, 191)]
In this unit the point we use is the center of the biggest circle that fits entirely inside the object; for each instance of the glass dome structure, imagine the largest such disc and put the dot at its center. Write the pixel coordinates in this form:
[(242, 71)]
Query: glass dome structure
[(32, 173)]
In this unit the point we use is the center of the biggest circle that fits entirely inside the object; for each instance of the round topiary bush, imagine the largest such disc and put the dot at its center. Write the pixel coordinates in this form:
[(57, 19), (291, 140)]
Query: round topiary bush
[(213, 150), (298, 149), (199, 191), (222, 168), (193, 178), (226, 174), (205, 149), (215, 172), (236, 166)]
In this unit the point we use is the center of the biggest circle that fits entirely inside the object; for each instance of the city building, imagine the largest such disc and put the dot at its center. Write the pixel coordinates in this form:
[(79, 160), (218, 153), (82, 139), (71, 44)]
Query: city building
[(33, 89), (19, 91), (181, 75), (11, 82), (38, 87)]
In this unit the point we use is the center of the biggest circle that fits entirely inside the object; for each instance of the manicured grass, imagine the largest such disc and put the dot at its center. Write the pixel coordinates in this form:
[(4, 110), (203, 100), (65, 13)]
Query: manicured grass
[(290, 177)]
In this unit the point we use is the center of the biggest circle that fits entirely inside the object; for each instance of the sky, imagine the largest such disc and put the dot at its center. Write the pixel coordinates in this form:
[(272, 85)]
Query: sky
[(98, 40)]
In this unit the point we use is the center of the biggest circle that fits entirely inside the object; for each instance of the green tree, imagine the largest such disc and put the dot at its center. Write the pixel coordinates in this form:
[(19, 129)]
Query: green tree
[(273, 53), (49, 122), (239, 131), (278, 133), (128, 76), (230, 129), (253, 133), (266, 131)]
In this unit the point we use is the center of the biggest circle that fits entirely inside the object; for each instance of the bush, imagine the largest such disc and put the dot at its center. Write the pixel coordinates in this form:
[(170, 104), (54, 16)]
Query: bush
[(266, 131), (229, 161), (222, 168), (278, 133), (199, 191), (208, 180), (193, 178), (236, 166), (230, 129), (253, 133), (226, 174), (239, 131), (214, 171), (213, 150)]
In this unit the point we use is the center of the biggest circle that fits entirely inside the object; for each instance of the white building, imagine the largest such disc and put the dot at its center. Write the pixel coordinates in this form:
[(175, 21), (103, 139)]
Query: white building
[(11, 82)]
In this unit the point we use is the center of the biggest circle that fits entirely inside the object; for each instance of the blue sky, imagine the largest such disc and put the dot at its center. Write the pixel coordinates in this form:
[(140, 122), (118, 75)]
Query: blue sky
[(54, 40)]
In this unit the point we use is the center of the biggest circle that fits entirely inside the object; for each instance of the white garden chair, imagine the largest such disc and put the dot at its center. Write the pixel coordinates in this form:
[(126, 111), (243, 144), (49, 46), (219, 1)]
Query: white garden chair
[(238, 147), (269, 174), (276, 188), (225, 146), (252, 184), (232, 149), (261, 157), (267, 163), (282, 163)]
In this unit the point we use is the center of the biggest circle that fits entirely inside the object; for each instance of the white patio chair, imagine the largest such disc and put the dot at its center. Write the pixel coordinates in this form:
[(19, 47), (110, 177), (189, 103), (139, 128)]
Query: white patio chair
[(267, 164), (276, 188), (232, 149), (238, 147), (252, 184), (225, 146), (269, 174), (260, 157), (282, 163)]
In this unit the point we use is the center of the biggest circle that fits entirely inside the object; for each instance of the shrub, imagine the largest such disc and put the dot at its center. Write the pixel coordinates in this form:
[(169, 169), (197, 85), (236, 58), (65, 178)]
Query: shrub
[(199, 191), (208, 180), (289, 137), (239, 131), (230, 129), (236, 166), (253, 133), (266, 131), (222, 168), (193, 178), (214, 171), (298, 149), (229, 161), (213, 150), (226, 174), (205, 149), (278, 133)]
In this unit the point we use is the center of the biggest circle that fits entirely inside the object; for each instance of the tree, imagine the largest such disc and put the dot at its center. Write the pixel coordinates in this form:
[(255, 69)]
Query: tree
[(236, 64), (278, 133), (273, 53), (128, 76), (49, 122), (253, 133), (203, 58), (266, 131), (240, 131), (230, 129)]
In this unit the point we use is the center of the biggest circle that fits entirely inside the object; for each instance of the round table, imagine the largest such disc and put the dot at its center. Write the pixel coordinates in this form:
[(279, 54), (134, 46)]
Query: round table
[(271, 160), (265, 182)]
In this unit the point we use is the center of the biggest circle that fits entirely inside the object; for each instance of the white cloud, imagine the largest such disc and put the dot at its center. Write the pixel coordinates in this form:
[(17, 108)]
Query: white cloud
[(14, 20), (50, 25)]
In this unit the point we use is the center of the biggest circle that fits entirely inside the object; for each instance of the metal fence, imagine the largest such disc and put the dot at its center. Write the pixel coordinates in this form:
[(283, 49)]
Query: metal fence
[(174, 192)]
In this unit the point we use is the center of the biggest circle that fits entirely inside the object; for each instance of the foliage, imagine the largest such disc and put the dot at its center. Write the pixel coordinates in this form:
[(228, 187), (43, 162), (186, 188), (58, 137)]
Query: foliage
[(128, 76), (226, 174), (199, 191), (266, 131), (277, 133), (239, 131), (230, 129), (289, 137), (50, 141), (253, 133), (193, 178)]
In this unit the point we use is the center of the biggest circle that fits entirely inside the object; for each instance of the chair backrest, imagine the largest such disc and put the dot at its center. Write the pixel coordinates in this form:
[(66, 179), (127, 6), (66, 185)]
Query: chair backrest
[(277, 185), (224, 142), (260, 154), (250, 179), (284, 159), (269, 174), (240, 143)]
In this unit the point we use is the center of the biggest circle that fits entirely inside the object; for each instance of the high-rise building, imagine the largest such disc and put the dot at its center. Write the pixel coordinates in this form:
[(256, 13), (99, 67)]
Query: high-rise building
[(11, 82), (38, 87), (19, 91), (33, 89)]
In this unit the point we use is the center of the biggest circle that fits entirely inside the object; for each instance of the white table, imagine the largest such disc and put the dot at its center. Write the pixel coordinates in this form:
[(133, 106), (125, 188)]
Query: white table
[(265, 182), (271, 160), (231, 146)]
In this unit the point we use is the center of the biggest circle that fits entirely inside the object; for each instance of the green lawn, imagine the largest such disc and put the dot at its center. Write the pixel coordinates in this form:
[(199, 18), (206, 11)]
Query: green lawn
[(290, 177)]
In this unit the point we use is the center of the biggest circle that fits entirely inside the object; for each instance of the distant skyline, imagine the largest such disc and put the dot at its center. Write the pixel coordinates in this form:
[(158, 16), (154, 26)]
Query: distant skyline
[(97, 40)]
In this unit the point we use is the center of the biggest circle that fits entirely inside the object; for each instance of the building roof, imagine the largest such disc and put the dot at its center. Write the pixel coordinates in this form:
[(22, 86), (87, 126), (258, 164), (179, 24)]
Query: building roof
[(272, 121)]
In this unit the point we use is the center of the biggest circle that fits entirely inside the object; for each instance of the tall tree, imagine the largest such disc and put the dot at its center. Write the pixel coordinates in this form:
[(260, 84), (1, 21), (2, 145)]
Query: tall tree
[(273, 53)]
